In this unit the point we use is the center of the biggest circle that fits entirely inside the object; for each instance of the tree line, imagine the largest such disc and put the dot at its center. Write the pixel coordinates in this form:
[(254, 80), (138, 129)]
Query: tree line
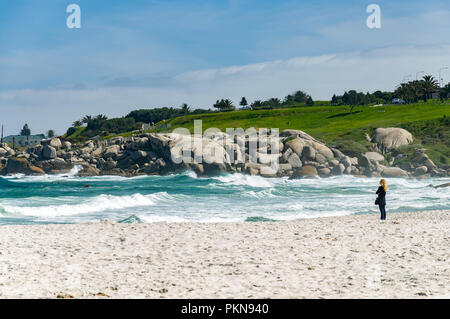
[(101, 125), (26, 131), (297, 98), (410, 92)]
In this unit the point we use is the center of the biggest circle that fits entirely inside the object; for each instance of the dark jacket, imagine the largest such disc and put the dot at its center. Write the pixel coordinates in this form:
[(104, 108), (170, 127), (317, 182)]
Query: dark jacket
[(381, 195)]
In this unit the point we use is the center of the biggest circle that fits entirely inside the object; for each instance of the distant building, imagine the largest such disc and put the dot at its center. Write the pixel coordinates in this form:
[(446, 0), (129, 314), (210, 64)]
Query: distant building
[(145, 127), (22, 140), (398, 101)]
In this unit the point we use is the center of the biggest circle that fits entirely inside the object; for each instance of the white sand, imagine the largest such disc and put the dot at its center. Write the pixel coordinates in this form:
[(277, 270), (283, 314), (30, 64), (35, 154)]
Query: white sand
[(339, 257)]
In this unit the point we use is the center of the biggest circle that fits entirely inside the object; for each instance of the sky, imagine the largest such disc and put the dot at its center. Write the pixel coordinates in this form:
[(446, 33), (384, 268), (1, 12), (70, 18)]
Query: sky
[(137, 54)]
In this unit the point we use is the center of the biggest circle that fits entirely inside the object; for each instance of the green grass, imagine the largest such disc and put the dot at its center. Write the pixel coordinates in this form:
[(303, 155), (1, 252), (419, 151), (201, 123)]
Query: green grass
[(126, 134), (433, 135), (335, 125), (76, 135)]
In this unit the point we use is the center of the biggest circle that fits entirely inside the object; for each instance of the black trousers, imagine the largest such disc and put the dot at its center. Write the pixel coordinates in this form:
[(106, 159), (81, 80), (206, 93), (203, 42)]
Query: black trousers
[(383, 211)]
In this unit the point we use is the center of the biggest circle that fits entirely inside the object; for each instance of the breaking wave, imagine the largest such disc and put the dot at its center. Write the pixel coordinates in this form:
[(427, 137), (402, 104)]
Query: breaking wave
[(188, 198), (100, 203)]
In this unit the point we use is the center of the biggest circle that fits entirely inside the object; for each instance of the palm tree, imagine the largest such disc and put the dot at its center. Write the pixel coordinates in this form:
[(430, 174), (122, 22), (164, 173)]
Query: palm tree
[(274, 102), (408, 91), (257, 104), (77, 123), (224, 105), (228, 105), (429, 85), (101, 117), (185, 108), (86, 119), (412, 91)]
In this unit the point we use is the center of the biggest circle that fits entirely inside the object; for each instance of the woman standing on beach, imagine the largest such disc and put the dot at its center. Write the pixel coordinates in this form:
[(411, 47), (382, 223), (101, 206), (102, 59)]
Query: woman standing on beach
[(381, 200)]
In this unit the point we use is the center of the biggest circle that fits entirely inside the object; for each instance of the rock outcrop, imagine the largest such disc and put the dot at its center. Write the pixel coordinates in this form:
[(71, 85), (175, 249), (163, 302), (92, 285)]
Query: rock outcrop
[(391, 138), (305, 172), (17, 165), (393, 172), (294, 154)]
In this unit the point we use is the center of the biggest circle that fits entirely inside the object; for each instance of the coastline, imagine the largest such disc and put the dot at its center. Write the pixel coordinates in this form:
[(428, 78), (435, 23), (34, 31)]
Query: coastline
[(355, 256), (291, 153)]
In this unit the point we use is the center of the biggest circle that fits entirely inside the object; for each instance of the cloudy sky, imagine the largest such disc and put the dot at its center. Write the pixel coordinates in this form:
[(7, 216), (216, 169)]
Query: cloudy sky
[(143, 53)]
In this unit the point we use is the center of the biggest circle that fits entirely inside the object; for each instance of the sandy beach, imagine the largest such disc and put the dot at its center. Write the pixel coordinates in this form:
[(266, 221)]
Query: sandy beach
[(406, 256)]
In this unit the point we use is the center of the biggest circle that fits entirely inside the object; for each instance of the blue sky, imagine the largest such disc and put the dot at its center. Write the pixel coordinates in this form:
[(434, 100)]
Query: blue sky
[(139, 54)]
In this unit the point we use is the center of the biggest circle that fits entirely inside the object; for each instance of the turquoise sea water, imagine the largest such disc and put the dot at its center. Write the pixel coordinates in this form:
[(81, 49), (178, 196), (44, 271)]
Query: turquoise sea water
[(185, 197)]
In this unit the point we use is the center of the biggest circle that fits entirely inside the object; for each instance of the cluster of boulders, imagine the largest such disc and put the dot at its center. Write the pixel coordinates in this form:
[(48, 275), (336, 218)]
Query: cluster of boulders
[(293, 153)]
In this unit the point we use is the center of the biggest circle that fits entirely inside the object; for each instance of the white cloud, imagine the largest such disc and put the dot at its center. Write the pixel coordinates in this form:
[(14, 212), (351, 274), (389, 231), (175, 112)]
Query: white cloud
[(321, 76)]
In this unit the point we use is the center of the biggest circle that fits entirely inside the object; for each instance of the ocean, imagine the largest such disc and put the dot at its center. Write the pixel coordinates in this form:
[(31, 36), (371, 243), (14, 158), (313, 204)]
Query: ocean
[(187, 198)]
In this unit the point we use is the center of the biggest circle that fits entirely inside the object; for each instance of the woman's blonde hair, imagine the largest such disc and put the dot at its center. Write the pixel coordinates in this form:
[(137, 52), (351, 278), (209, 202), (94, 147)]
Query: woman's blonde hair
[(384, 184)]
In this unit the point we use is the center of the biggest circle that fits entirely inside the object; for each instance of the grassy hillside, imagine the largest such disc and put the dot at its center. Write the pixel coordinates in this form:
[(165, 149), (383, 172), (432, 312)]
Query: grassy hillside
[(337, 127), (74, 134)]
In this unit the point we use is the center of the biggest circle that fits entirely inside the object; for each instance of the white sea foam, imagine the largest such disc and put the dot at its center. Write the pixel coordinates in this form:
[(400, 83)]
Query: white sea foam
[(247, 180), (218, 199), (94, 205), (14, 176), (191, 174), (45, 178), (261, 194), (74, 171)]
